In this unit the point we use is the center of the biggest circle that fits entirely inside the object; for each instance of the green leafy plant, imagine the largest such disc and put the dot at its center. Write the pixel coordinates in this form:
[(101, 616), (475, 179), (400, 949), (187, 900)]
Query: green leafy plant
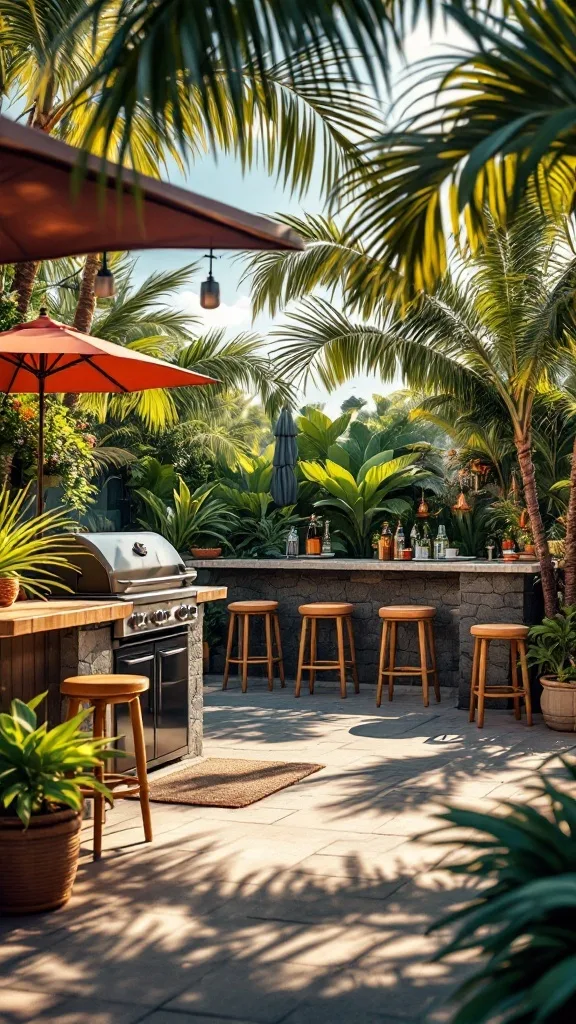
[(553, 646), (195, 520), (261, 531), (28, 550), (153, 476), (41, 769), (318, 433), (215, 619), (521, 920), (380, 488)]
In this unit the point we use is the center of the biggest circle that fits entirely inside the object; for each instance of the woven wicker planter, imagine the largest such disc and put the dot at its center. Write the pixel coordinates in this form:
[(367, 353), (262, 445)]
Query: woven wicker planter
[(9, 587), (38, 865), (558, 705)]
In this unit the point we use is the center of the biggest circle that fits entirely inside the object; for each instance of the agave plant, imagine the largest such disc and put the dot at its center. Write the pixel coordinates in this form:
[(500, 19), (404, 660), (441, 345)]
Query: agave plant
[(195, 518), (29, 548), (522, 918), (380, 488), (42, 770), (264, 535)]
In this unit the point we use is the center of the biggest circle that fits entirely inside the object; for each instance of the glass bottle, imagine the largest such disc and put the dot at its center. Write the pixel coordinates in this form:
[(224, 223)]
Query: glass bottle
[(441, 542), (425, 542), (326, 539), (414, 540), (292, 543), (386, 544), (313, 536), (399, 542)]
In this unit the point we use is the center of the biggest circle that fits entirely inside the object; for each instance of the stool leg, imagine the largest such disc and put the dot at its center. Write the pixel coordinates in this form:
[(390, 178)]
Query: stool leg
[(229, 643), (245, 650), (381, 663), (279, 649), (98, 730), (526, 681), (350, 631), (303, 633), (313, 654), (74, 706), (514, 675), (141, 773), (269, 651), (432, 649), (392, 661), (341, 655), (482, 680), (423, 661), (474, 679)]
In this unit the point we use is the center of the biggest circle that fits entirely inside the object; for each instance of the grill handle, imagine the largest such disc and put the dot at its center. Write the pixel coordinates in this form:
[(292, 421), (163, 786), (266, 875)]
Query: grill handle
[(183, 576)]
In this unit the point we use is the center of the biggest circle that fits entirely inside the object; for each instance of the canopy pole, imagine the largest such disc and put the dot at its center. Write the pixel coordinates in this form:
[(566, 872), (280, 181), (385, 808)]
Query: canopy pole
[(41, 410)]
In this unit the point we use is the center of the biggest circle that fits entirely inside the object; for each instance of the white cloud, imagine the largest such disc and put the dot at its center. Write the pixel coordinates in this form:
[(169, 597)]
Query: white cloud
[(237, 315)]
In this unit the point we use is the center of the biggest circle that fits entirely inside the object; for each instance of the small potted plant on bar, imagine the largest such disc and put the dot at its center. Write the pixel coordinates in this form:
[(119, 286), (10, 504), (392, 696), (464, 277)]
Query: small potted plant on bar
[(553, 650), (42, 773)]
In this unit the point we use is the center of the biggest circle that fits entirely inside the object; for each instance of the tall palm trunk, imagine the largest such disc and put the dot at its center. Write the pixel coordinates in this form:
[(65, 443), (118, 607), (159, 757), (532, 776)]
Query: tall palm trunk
[(570, 553), (549, 588), (23, 284), (86, 299)]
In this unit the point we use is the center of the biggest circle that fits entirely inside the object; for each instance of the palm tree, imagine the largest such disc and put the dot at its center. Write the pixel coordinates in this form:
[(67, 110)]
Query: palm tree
[(496, 332)]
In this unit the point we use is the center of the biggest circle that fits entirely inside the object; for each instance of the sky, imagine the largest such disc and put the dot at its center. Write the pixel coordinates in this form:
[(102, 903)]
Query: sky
[(257, 192)]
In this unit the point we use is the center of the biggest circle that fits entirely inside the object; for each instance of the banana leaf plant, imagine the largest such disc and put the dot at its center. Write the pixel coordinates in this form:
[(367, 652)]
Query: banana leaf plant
[(357, 505)]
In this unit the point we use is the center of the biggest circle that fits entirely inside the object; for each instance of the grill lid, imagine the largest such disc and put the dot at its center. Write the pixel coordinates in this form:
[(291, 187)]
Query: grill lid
[(126, 563)]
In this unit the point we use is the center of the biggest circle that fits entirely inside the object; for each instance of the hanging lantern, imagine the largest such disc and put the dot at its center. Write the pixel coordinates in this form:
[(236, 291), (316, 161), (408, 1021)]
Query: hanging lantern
[(423, 511), (210, 289), (104, 284), (461, 504)]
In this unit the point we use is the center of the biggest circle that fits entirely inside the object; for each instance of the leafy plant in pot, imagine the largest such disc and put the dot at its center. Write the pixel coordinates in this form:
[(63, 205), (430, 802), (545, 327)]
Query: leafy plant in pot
[(29, 549), (553, 650), (42, 774), (195, 521)]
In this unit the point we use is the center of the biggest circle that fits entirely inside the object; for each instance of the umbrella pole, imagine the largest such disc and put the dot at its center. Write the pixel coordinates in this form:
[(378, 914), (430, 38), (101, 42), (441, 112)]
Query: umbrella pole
[(41, 411)]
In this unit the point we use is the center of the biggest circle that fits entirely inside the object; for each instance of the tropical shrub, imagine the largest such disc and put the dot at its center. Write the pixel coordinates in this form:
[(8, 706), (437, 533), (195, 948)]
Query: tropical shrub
[(29, 550), (318, 433), (553, 646), (264, 535), (194, 520), (42, 770), (357, 505), (521, 921), (153, 476)]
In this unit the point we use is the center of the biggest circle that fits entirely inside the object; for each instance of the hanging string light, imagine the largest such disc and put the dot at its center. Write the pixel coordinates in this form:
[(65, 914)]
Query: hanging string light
[(422, 511), (104, 284), (210, 289)]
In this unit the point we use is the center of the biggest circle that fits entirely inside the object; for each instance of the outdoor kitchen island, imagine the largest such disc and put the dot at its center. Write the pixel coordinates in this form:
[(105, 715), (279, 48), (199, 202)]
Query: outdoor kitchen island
[(463, 593), (42, 642)]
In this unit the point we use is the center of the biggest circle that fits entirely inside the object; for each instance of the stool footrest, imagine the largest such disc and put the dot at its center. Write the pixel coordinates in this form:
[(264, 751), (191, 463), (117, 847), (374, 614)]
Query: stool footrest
[(322, 666), (407, 670), (129, 785), (253, 661), (500, 691)]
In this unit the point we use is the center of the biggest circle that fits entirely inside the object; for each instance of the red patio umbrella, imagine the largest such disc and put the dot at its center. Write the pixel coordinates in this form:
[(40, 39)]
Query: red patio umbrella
[(46, 356)]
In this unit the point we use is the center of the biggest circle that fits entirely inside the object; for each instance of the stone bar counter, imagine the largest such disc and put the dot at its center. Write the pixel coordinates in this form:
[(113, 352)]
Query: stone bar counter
[(463, 593)]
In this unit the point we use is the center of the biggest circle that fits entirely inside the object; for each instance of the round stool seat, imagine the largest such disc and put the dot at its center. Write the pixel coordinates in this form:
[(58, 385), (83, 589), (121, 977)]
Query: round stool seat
[(326, 609), (410, 612), (252, 607), (104, 686), (500, 631)]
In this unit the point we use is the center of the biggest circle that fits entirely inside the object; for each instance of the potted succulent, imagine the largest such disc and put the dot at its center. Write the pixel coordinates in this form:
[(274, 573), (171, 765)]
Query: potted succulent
[(553, 650), (42, 772), (28, 548)]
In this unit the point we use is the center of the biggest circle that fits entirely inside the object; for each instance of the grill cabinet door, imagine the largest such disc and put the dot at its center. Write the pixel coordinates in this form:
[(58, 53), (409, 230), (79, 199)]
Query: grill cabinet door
[(172, 696), (136, 660)]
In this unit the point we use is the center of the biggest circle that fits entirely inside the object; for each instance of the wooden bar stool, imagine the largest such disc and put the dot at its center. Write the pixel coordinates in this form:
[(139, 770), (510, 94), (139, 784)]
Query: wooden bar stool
[(101, 691), (516, 634), (342, 614), (243, 611), (392, 616)]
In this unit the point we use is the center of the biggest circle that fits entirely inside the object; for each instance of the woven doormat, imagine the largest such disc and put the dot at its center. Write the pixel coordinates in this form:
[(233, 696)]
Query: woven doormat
[(227, 782)]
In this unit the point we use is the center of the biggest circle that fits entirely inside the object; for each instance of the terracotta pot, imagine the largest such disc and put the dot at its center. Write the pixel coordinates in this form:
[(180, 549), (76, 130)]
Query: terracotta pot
[(205, 656), (558, 704), (508, 545), (529, 549), (9, 588), (206, 552), (38, 865)]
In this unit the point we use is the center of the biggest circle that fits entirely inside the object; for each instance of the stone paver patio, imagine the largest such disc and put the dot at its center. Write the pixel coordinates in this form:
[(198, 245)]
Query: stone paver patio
[(309, 907)]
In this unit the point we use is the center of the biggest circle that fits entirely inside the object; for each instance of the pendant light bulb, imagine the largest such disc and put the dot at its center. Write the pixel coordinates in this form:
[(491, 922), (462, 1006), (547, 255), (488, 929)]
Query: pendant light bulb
[(104, 284), (210, 289)]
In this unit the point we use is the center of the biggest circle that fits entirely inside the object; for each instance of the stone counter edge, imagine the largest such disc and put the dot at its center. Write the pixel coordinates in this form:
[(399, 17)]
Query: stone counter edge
[(364, 565)]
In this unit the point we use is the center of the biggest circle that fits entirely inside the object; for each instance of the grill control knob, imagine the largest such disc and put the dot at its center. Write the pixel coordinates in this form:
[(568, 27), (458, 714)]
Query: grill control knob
[(183, 611), (137, 620), (159, 616)]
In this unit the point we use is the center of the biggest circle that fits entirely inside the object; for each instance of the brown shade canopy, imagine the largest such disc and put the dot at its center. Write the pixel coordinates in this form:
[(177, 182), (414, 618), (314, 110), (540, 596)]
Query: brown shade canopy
[(44, 216)]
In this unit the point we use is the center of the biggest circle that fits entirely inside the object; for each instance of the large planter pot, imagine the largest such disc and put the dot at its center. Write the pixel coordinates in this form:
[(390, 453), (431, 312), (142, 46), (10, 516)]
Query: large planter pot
[(206, 552), (38, 865), (558, 705), (9, 588)]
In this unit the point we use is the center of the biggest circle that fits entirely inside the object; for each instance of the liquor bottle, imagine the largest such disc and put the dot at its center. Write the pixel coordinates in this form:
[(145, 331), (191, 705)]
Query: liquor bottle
[(425, 542), (386, 544), (399, 542), (313, 536), (441, 542), (292, 543), (415, 540), (326, 539)]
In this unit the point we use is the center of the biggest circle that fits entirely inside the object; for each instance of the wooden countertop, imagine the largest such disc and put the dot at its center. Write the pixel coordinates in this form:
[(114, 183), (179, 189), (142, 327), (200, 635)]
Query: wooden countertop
[(213, 593), (61, 613)]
